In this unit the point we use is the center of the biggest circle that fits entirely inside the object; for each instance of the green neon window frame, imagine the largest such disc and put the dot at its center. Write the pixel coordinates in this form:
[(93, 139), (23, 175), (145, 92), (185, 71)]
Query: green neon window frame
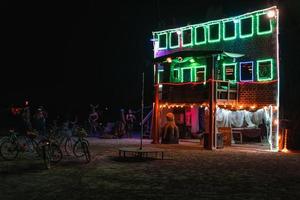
[(195, 72), (170, 40), (219, 32), (159, 35), (235, 73), (178, 79), (196, 36), (258, 62), (252, 27), (182, 34), (224, 30), (182, 74), (158, 75), (258, 24)]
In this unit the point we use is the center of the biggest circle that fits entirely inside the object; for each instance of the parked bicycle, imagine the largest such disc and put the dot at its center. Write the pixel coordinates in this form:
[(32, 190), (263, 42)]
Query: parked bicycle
[(12, 145), (81, 146)]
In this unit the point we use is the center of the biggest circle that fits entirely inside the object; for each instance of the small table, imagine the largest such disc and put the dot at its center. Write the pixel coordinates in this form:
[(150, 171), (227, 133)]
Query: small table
[(142, 153)]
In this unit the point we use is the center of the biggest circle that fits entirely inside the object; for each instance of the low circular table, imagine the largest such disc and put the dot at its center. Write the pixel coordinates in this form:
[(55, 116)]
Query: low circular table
[(145, 152)]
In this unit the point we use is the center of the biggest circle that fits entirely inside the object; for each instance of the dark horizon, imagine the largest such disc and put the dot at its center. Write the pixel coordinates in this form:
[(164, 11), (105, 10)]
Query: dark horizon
[(68, 55)]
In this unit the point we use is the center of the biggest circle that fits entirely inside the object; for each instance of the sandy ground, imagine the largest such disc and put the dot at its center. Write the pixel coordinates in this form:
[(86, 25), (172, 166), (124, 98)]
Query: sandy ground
[(187, 172)]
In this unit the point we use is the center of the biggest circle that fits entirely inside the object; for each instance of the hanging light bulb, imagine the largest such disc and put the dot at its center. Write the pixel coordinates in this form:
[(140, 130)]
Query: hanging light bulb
[(169, 60)]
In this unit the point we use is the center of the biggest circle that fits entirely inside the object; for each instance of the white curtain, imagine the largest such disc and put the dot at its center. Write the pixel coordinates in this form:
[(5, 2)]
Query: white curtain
[(242, 118)]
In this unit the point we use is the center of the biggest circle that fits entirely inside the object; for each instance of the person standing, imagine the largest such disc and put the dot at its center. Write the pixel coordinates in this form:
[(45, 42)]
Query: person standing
[(40, 119), (26, 116), (130, 119)]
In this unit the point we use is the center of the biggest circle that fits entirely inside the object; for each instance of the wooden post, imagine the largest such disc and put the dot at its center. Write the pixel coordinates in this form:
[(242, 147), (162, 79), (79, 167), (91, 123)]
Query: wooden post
[(155, 113), (212, 135)]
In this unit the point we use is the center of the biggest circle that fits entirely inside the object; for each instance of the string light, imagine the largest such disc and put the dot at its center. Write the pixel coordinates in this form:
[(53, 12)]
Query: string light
[(271, 13)]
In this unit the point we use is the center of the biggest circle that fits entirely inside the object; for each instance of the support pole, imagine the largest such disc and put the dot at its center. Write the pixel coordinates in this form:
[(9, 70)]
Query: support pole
[(142, 113), (155, 113)]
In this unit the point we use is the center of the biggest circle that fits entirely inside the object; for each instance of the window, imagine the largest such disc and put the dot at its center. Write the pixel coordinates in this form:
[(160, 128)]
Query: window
[(162, 41), (176, 75), (200, 74), (186, 74), (187, 37), (200, 35), (246, 71), (229, 32), (264, 70), (264, 24), (229, 72), (174, 39), (246, 27), (214, 32), (160, 78)]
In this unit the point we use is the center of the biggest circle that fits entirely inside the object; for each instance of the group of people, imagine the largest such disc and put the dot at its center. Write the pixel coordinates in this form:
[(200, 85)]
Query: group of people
[(28, 122), (123, 126)]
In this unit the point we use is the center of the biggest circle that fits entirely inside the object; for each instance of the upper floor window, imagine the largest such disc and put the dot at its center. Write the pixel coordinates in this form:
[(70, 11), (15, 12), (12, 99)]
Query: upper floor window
[(246, 27), (200, 35), (174, 39), (162, 41), (214, 31), (264, 24), (187, 37), (229, 30)]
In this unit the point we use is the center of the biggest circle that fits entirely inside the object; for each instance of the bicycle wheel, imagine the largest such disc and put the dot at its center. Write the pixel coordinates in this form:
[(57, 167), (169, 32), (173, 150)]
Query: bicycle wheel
[(36, 146), (9, 150), (77, 149), (68, 146), (86, 151), (46, 155), (86, 141), (55, 153)]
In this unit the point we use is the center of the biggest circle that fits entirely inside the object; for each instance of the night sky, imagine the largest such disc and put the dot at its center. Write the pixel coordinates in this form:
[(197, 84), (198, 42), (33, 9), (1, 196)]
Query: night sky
[(66, 55)]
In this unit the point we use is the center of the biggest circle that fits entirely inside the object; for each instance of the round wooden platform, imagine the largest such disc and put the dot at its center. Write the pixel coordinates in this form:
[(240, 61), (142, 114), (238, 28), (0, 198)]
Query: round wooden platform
[(145, 152)]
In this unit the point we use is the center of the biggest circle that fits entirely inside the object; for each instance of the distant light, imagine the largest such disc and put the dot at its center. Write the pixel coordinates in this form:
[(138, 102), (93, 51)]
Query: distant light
[(271, 14), (169, 60), (153, 39), (192, 60), (178, 32)]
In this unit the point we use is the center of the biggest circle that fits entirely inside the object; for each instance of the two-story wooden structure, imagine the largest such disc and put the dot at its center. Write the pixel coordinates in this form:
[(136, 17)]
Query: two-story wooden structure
[(221, 73)]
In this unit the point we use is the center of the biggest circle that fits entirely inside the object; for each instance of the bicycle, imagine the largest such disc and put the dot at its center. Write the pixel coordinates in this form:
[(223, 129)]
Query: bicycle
[(81, 146), (50, 148), (11, 146)]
